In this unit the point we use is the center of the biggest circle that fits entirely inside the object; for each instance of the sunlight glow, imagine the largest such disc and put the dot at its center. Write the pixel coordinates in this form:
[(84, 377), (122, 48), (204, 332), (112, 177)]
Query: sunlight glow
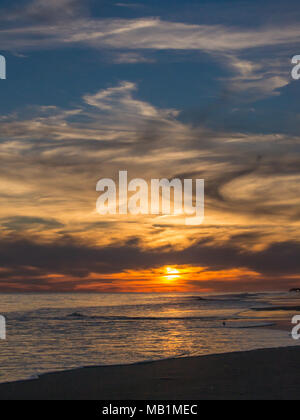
[(171, 274)]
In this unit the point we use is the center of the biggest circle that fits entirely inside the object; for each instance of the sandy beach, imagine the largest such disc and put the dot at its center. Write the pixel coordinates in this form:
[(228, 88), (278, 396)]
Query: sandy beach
[(272, 374)]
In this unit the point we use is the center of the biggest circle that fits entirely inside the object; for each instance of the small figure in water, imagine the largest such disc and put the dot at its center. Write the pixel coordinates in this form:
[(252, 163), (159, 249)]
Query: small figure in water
[(224, 324)]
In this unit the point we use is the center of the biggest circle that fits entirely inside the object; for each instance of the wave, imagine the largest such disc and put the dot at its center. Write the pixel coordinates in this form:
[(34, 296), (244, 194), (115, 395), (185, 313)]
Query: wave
[(144, 318), (225, 323), (252, 325), (226, 298), (277, 308)]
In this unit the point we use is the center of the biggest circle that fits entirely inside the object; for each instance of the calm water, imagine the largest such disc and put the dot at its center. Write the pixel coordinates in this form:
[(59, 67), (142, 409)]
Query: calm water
[(63, 331)]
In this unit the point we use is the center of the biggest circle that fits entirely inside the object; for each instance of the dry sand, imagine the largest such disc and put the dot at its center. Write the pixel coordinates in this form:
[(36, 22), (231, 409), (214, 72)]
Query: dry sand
[(272, 374)]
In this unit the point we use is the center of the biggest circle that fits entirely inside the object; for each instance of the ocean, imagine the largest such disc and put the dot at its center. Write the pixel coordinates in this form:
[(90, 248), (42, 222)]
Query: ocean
[(53, 332)]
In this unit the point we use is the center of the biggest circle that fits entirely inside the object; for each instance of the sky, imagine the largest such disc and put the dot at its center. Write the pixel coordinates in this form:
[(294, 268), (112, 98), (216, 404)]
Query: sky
[(162, 89)]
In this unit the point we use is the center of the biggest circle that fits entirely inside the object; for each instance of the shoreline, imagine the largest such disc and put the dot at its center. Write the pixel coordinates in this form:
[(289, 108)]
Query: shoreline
[(257, 374), (279, 325)]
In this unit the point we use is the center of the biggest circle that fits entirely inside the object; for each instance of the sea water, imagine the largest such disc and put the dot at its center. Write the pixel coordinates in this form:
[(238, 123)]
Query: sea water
[(52, 332)]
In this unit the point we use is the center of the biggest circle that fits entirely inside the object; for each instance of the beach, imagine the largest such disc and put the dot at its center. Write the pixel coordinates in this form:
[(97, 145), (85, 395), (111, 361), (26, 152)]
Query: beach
[(272, 374), (63, 332)]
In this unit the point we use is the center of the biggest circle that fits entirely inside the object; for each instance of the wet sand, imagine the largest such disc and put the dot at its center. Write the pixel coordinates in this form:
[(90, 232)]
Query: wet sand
[(272, 374)]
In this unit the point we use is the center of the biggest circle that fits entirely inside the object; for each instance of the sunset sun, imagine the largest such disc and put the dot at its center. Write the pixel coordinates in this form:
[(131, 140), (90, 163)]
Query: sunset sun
[(171, 274)]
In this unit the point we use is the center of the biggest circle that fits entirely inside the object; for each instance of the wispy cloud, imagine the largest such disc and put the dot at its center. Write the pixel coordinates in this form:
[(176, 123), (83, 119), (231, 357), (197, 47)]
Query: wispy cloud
[(42, 25), (258, 77), (52, 157), (44, 11), (148, 33), (244, 172), (131, 5), (130, 58)]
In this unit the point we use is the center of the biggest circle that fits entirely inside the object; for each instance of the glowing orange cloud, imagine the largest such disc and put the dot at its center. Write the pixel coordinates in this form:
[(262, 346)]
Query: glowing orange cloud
[(163, 279)]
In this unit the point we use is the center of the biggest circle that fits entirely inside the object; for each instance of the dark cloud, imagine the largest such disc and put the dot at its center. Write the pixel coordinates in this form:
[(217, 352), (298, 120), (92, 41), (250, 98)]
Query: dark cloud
[(27, 263), (19, 223)]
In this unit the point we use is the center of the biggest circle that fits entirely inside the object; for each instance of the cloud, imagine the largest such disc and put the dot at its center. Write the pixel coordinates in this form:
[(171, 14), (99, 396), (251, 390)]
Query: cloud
[(130, 58), (68, 24), (15, 224), (244, 172), (119, 100), (67, 266), (43, 11), (258, 78), (53, 239), (147, 33), (131, 5), (40, 23), (52, 157)]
